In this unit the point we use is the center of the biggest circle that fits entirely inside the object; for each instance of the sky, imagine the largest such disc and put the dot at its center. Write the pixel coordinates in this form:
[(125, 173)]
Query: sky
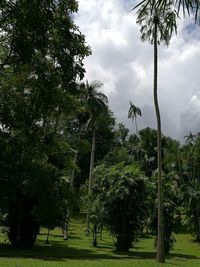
[(124, 64)]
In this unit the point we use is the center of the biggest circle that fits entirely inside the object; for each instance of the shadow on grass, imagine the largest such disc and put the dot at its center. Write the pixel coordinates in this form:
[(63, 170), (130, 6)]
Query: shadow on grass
[(152, 255), (60, 236), (57, 251)]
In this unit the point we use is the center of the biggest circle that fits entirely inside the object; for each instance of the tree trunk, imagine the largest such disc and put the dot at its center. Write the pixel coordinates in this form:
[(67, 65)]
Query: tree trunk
[(198, 232), (65, 227), (90, 182), (47, 240), (160, 243), (95, 236), (197, 227), (136, 128), (22, 226), (73, 172)]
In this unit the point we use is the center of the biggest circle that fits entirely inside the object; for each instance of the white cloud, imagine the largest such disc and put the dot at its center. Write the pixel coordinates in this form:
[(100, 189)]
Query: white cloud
[(125, 65), (189, 118)]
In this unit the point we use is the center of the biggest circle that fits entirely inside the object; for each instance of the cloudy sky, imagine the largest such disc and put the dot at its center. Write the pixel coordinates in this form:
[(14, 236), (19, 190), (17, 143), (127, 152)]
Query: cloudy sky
[(125, 66)]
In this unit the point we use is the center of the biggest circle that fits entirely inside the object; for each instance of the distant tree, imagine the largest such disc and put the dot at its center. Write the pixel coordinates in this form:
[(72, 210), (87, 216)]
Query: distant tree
[(105, 140), (148, 150), (121, 134), (117, 155), (133, 112), (143, 149)]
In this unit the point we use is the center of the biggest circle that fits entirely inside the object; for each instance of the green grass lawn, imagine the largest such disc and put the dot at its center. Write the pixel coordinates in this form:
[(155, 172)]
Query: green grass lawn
[(78, 251)]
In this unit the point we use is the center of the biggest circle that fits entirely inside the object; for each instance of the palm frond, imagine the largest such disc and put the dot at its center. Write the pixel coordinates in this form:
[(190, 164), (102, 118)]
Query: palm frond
[(94, 101), (163, 14), (133, 111)]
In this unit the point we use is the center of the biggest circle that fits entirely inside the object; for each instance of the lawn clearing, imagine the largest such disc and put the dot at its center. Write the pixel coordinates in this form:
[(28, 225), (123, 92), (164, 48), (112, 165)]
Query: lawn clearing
[(78, 251)]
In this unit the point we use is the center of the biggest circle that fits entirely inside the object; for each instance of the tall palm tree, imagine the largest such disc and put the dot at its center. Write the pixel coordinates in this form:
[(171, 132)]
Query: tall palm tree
[(157, 25), (133, 112), (96, 105)]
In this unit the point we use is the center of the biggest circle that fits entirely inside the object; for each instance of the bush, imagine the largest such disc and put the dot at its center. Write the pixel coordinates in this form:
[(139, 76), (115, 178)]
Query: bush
[(121, 193)]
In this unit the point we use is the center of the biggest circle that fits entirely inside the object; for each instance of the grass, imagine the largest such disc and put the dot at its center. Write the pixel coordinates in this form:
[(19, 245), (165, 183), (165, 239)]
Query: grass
[(79, 252)]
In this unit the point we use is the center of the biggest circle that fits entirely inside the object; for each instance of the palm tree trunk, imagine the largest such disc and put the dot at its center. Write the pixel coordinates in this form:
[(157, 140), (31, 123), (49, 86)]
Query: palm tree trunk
[(136, 128), (73, 172), (90, 181), (65, 226), (160, 240)]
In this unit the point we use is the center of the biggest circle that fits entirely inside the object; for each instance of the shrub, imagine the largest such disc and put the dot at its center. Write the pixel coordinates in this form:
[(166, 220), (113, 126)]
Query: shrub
[(121, 192)]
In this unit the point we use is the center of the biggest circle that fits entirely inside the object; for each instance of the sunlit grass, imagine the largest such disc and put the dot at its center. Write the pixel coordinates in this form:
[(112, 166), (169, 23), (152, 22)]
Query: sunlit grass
[(78, 251)]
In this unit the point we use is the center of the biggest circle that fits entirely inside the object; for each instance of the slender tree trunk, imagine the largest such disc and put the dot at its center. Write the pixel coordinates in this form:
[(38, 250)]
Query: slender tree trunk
[(197, 227), (160, 240), (73, 172), (136, 128), (95, 235), (47, 240), (198, 231), (90, 181), (65, 226)]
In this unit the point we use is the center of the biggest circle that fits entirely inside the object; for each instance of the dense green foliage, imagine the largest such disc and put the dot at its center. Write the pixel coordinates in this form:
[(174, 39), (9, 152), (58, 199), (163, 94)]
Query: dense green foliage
[(121, 193), (55, 129), (191, 182), (41, 59)]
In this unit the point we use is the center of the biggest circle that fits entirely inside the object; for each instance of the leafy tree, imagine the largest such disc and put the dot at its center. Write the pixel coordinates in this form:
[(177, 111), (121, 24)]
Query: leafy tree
[(148, 150), (143, 150), (191, 183), (121, 134), (105, 140), (117, 155), (121, 193), (41, 59), (191, 197)]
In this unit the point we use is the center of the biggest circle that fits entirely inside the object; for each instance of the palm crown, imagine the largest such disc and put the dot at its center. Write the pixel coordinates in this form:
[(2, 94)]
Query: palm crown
[(133, 112), (149, 14), (96, 101), (187, 7)]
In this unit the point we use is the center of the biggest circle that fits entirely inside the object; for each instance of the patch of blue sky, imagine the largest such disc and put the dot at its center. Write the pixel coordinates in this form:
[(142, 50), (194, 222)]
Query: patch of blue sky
[(191, 31), (129, 4)]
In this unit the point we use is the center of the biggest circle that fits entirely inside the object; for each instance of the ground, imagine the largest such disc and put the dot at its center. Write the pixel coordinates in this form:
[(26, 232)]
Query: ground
[(79, 252)]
